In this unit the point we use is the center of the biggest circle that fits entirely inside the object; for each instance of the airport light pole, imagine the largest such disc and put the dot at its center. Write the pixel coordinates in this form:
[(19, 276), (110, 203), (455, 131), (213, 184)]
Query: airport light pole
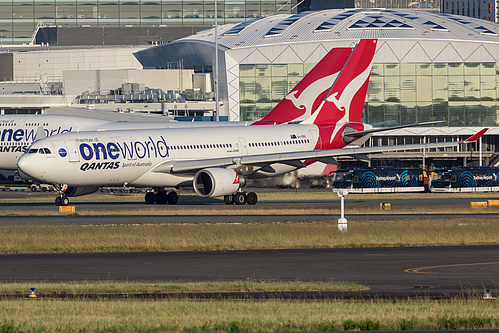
[(342, 221), (480, 147), (217, 106)]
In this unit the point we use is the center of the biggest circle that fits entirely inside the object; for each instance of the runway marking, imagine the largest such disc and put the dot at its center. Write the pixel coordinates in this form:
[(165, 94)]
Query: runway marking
[(419, 270)]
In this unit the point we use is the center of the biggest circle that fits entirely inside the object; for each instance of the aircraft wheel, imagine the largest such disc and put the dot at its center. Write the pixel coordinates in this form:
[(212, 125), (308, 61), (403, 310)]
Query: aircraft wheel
[(172, 198), (251, 198), (229, 199), (58, 201), (64, 201), (161, 197), (240, 198), (150, 198)]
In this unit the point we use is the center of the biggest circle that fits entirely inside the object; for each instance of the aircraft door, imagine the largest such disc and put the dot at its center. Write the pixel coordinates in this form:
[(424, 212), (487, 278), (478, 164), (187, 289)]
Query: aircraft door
[(316, 139), (244, 148), (73, 153)]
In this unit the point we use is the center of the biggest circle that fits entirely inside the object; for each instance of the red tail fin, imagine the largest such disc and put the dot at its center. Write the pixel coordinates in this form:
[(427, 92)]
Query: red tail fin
[(307, 95), (345, 101)]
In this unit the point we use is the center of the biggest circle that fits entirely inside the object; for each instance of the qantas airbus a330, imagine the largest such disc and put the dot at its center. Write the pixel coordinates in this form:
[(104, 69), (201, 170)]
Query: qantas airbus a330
[(217, 160), (17, 132)]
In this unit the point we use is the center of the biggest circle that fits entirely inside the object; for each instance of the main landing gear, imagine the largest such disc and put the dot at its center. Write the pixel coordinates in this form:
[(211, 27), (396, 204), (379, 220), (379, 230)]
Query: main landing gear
[(161, 197), (241, 198)]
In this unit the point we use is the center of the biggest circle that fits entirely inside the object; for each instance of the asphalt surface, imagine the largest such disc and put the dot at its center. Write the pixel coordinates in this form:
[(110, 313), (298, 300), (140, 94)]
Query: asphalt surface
[(423, 270)]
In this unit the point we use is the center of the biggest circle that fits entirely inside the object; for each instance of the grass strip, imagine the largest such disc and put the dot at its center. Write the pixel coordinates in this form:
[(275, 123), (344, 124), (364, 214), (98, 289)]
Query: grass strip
[(163, 211), (263, 196), (468, 230), (189, 316), (129, 287)]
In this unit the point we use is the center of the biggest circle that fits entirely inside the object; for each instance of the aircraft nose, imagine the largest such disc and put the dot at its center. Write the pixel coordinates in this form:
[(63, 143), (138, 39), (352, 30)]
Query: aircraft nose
[(26, 167)]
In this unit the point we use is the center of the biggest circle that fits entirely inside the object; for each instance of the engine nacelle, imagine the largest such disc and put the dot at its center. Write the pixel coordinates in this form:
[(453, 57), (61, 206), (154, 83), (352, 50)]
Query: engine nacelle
[(75, 191), (215, 182)]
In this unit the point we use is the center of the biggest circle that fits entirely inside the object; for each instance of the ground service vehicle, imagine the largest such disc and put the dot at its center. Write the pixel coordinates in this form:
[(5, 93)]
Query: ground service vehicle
[(379, 180), (466, 179)]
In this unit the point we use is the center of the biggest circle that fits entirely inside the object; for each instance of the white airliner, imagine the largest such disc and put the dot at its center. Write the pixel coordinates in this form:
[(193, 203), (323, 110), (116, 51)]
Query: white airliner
[(17, 132), (216, 161)]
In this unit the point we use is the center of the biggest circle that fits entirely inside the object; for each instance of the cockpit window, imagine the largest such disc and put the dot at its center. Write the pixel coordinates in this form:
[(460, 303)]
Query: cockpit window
[(39, 151)]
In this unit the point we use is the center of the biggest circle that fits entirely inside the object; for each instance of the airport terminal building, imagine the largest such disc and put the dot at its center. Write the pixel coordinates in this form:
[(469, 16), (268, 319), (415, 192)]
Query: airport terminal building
[(428, 67)]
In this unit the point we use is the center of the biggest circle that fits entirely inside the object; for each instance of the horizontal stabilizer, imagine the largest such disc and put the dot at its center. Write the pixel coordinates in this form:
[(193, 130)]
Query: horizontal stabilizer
[(359, 134)]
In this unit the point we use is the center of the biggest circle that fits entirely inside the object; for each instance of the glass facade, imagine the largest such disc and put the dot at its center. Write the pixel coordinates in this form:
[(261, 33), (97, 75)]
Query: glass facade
[(19, 18), (459, 94)]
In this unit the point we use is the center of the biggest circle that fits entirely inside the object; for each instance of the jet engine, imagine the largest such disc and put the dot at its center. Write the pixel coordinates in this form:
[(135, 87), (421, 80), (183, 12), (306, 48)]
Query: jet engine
[(80, 190), (215, 182)]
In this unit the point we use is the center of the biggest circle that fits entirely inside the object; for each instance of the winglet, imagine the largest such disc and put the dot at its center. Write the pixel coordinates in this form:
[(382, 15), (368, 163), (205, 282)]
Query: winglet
[(477, 136)]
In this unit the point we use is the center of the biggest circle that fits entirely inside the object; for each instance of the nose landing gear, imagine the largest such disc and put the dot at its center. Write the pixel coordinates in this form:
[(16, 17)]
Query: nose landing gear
[(62, 199)]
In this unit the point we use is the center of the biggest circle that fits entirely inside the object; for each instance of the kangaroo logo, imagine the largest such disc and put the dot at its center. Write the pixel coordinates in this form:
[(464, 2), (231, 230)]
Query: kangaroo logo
[(346, 97), (305, 100)]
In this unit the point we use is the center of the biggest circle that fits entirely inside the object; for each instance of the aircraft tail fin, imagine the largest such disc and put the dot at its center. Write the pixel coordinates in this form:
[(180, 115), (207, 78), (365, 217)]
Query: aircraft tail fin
[(303, 100), (345, 100)]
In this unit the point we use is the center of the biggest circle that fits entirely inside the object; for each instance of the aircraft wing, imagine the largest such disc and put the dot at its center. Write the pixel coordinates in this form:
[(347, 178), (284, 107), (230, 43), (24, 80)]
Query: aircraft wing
[(294, 158)]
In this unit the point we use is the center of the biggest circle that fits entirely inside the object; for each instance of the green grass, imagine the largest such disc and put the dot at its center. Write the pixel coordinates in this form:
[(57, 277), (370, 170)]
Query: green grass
[(32, 315), (468, 230), (134, 287)]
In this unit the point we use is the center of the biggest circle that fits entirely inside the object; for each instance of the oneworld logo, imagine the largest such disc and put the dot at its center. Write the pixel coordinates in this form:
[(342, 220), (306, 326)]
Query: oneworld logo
[(20, 134), (125, 150), (63, 152)]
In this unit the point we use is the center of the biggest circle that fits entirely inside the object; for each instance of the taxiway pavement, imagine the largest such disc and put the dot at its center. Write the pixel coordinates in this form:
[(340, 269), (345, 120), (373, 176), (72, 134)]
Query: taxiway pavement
[(408, 270)]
